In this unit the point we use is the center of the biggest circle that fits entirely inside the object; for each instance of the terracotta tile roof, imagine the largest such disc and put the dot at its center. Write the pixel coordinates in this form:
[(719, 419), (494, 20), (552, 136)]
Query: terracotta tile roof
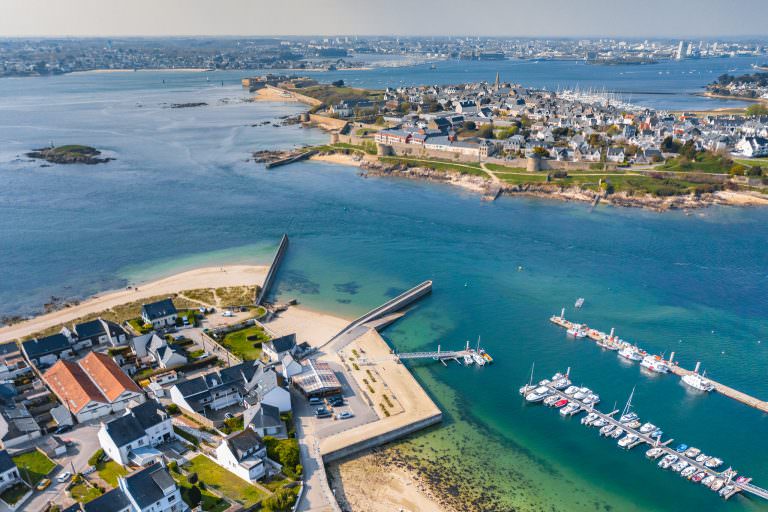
[(110, 379), (71, 384)]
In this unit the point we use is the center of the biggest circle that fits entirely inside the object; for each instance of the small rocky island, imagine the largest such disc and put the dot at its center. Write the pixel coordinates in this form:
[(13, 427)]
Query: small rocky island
[(70, 154)]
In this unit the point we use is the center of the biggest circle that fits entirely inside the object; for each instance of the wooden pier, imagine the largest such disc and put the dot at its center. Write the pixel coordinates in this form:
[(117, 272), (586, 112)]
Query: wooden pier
[(746, 487), (674, 367)]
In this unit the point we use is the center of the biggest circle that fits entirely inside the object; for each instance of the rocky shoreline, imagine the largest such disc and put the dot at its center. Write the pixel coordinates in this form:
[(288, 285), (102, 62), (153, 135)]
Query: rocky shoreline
[(72, 154)]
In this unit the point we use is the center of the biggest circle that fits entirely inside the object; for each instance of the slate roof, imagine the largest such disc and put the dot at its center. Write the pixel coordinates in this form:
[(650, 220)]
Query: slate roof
[(264, 416), (243, 442), (158, 309), (135, 422), (6, 462), (92, 329), (112, 501), (146, 486), (283, 343), (53, 344)]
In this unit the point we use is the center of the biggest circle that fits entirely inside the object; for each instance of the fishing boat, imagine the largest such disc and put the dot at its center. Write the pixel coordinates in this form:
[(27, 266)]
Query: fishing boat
[(631, 353), (486, 356), (607, 343), (654, 453), (577, 331), (655, 364), (698, 382), (617, 433), (479, 360), (579, 303), (692, 452), (714, 463), (627, 440)]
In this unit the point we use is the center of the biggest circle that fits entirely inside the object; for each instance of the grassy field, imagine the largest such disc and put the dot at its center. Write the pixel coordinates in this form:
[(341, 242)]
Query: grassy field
[(109, 471), (33, 466), (83, 492), (236, 295), (228, 484), (705, 162), (437, 165), (204, 295), (331, 95), (238, 343), (504, 168), (210, 502)]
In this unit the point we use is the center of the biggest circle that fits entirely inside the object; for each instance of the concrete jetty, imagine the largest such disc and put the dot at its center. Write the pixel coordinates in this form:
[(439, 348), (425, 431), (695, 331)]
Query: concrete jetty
[(273, 267), (674, 367), (290, 159)]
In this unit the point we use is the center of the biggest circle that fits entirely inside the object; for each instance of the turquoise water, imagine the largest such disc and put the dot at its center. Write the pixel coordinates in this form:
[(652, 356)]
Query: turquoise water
[(181, 194)]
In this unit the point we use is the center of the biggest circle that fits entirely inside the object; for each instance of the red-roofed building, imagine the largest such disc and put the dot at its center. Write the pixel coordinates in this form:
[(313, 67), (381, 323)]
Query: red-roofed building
[(92, 387)]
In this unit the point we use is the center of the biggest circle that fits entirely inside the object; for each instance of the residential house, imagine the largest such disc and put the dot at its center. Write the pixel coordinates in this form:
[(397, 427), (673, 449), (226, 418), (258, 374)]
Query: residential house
[(17, 426), (149, 490), (100, 331), (45, 351), (276, 348), (615, 155), (12, 363), (9, 473), (151, 347), (130, 437), (392, 137), (753, 147), (243, 453), (160, 314), (290, 366), (92, 387), (265, 420)]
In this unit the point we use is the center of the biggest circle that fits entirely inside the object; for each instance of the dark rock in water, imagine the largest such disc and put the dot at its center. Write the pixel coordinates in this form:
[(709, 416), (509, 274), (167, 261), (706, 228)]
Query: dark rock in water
[(351, 287), (189, 105), (70, 154)]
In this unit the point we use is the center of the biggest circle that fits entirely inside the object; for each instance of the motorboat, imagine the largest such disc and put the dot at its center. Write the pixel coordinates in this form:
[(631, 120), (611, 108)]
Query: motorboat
[(544, 382), (599, 423), (617, 433), (692, 452), (647, 428), (592, 399), (726, 490), (708, 480), (626, 418), (655, 364), (654, 453), (469, 361), (729, 473), (701, 459), (550, 400), (582, 393), (561, 383), (698, 477), (589, 418), (681, 448), (606, 430), (478, 358), (570, 409), (633, 424), (561, 403), (570, 390), (679, 466), (631, 353), (579, 303), (717, 484), (627, 440), (698, 382), (688, 472), (656, 434), (713, 463), (667, 461), (538, 394)]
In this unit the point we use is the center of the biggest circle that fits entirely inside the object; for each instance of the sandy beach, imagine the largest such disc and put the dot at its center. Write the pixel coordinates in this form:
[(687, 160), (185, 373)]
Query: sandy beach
[(269, 93), (208, 277)]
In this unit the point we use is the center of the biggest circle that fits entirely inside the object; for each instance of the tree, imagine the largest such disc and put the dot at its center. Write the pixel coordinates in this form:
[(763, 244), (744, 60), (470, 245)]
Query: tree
[(669, 145), (758, 109), (470, 126), (192, 478), (281, 501), (540, 151), (288, 454), (486, 131), (194, 497)]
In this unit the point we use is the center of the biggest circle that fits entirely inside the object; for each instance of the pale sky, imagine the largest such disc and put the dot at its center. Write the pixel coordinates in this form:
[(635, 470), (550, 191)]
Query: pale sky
[(564, 18)]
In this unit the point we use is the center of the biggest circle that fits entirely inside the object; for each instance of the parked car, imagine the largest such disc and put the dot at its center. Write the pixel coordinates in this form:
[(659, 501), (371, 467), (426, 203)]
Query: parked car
[(228, 416), (89, 470), (344, 415), (315, 401), (322, 412), (336, 402), (64, 477), (62, 428), (43, 484)]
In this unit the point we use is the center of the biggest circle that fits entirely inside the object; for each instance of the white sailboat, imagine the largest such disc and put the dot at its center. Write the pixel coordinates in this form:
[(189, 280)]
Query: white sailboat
[(528, 387)]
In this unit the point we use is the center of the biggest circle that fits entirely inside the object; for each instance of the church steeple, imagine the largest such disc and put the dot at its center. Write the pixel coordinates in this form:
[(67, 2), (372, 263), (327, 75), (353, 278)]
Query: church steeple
[(497, 81)]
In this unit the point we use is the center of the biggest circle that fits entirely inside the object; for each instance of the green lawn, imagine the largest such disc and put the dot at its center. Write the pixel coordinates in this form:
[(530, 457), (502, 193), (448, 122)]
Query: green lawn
[(705, 162), (504, 168), (138, 325), (109, 471), (33, 466), (438, 165), (14, 494), (210, 502), (84, 493), (228, 484), (238, 343)]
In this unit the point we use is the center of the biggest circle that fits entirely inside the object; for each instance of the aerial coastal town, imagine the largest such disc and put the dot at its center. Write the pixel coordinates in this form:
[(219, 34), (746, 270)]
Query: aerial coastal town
[(32, 57)]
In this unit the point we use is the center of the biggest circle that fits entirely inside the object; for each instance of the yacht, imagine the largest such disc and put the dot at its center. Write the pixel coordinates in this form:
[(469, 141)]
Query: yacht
[(599, 423), (667, 461), (688, 472), (708, 480), (538, 394), (701, 459), (582, 393), (617, 433), (725, 490), (589, 418), (631, 353), (647, 428), (692, 452), (698, 382), (717, 484), (606, 430), (654, 364), (570, 409), (550, 400), (679, 466), (469, 360), (627, 440), (654, 453), (698, 477), (713, 463), (570, 390)]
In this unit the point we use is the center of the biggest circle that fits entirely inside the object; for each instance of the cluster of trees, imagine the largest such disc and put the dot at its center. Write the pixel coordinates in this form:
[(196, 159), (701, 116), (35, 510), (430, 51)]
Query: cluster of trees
[(758, 109), (759, 79), (285, 452)]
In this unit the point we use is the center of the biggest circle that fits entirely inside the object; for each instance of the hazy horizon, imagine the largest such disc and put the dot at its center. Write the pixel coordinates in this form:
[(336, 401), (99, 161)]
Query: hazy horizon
[(654, 19)]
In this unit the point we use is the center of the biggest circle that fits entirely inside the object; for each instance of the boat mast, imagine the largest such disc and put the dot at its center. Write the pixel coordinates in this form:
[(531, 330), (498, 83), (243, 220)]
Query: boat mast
[(530, 381), (628, 405)]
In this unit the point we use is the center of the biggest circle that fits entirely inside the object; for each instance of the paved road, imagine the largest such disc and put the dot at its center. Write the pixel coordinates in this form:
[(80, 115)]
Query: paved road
[(86, 442)]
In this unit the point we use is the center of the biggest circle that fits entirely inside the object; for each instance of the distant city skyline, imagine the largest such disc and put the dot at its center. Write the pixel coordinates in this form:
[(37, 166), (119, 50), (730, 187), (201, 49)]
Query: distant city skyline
[(556, 18)]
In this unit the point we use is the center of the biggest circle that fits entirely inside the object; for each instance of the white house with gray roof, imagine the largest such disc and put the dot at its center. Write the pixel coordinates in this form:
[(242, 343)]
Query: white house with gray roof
[(149, 490), (244, 454), (131, 437)]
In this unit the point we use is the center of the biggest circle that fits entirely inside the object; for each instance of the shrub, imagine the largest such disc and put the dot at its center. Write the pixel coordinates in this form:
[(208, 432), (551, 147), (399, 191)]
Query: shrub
[(194, 496), (172, 409), (96, 457), (173, 466), (281, 501), (192, 478)]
